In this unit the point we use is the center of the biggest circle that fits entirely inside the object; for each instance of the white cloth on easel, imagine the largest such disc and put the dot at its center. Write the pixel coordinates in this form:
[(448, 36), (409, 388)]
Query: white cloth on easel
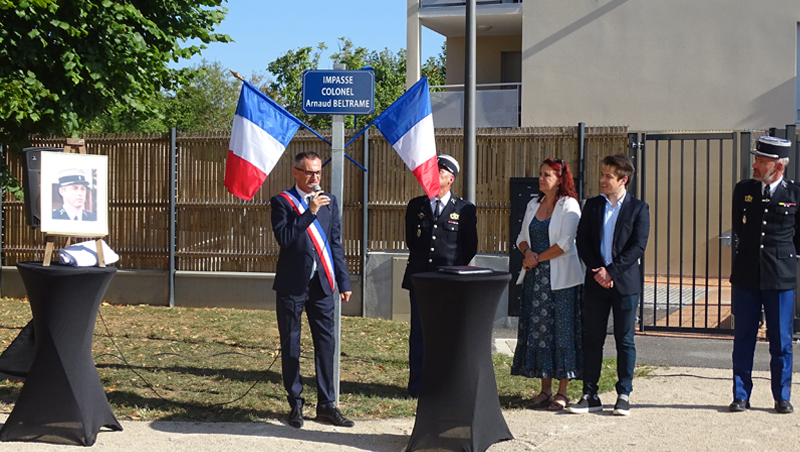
[(84, 254)]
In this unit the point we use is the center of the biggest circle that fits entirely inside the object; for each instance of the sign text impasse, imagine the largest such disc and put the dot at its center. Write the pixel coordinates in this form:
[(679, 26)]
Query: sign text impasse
[(338, 92)]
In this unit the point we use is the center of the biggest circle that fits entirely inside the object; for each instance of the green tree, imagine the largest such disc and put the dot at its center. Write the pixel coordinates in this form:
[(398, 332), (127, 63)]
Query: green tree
[(207, 102), (286, 87), (436, 68), (389, 69), (63, 63)]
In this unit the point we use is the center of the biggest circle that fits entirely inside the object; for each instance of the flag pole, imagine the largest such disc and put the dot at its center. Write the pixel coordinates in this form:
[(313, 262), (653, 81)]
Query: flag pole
[(236, 74)]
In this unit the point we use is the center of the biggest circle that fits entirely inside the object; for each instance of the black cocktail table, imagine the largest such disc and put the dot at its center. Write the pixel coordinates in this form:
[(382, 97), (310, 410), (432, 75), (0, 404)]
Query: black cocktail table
[(63, 399), (458, 406)]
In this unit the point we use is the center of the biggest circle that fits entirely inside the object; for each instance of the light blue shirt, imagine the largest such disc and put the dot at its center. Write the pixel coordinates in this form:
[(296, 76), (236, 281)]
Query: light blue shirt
[(609, 224)]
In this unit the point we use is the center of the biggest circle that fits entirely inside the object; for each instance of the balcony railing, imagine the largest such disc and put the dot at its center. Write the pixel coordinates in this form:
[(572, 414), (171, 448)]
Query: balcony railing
[(440, 3), (496, 105)]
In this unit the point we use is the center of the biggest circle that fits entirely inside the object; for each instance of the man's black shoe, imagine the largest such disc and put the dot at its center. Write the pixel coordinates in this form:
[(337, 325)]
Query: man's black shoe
[(334, 416), (589, 403), (783, 407), (739, 405), (296, 417)]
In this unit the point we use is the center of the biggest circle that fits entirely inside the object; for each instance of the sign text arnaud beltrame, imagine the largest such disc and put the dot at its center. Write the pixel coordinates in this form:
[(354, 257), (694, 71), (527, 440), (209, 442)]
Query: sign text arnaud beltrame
[(337, 92)]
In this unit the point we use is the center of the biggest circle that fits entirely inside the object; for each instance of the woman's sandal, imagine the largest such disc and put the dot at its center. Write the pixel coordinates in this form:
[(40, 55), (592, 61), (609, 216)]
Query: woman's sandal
[(559, 402), (540, 401)]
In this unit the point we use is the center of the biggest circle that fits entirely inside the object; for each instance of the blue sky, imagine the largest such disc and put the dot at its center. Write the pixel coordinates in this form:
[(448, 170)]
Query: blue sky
[(263, 30)]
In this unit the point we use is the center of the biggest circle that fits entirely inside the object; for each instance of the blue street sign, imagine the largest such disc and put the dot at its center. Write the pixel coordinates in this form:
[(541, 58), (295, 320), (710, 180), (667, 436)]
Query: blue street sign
[(337, 92)]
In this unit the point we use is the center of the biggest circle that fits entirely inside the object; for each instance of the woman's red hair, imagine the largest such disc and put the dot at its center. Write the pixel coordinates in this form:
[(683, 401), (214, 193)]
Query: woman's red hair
[(567, 185)]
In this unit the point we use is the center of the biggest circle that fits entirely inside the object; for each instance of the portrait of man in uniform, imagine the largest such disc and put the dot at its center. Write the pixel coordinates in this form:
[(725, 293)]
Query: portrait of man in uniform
[(73, 187)]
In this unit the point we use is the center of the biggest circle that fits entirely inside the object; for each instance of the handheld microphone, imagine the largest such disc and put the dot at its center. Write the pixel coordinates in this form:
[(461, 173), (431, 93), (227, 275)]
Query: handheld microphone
[(316, 189)]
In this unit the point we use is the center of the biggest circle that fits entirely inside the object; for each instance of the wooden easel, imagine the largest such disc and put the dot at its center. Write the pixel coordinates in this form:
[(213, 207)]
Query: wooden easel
[(73, 146)]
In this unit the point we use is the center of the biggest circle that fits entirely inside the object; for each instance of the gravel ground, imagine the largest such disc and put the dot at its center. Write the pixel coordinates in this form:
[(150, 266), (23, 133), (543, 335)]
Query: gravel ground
[(678, 408)]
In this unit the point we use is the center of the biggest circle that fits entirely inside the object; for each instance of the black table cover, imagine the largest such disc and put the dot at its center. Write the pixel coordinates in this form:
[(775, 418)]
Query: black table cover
[(16, 360), (63, 399), (458, 406)]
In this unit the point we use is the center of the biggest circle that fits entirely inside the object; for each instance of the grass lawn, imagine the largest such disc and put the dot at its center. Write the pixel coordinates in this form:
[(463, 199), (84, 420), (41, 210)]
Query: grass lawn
[(222, 365)]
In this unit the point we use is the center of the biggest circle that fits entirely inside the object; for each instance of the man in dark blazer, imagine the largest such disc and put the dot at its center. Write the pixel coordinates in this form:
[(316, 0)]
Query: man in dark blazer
[(440, 231), (307, 228), (765, 219), (611, 239)]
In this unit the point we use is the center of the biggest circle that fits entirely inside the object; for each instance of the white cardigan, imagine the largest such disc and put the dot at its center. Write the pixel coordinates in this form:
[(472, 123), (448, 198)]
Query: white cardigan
[(566, 270)]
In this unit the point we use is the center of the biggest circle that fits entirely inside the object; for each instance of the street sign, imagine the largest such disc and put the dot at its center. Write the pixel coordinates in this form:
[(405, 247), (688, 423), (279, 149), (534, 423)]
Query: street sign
[(338, 92)]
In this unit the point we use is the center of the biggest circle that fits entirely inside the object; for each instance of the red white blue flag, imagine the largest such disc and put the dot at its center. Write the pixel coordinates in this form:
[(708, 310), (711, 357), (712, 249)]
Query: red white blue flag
[(408, 125), (261, 131)]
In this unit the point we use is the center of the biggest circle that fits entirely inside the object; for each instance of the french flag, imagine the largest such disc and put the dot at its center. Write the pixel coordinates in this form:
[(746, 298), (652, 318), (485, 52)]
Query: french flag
[(408, 125), (261, 131)]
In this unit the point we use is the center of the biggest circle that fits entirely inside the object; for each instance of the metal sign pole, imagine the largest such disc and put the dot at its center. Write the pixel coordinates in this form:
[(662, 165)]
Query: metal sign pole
[(337, 189), (338, 92), (470, 153)]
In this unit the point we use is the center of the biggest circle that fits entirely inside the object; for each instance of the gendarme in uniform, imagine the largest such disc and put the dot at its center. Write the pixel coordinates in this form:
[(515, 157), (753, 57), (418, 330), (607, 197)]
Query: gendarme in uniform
[(765, 219), (73, 188), (433, 242)]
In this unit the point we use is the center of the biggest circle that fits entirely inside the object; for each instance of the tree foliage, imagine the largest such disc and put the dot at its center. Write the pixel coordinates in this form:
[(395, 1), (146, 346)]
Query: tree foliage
[(63, 63), (206, 102), (389, 69)]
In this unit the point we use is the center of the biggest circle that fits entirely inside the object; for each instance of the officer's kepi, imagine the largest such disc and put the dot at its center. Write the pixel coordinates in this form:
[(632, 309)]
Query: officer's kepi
[(72, 178), (772, 147), (449, 163)]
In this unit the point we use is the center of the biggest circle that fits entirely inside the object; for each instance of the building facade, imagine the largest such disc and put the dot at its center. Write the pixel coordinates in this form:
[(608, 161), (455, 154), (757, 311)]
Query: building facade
[(647, 64)]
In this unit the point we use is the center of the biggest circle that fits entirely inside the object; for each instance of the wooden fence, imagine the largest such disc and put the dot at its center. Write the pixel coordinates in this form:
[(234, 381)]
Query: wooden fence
[(219, 232)]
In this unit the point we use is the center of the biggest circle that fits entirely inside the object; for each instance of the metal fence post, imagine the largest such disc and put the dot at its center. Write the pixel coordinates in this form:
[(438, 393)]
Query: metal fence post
[(173, 155), (581, 158), (794, 167), (744, 156), (365, 225), (636, 146), (2, 159)]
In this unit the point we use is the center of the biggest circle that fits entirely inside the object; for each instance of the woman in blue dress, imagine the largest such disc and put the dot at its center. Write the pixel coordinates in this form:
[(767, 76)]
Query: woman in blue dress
[(549, 336)]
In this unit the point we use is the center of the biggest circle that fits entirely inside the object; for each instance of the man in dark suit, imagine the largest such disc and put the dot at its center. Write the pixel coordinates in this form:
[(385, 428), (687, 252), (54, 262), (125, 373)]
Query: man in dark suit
[(307, 227), (440, 231), (611, 238), (764, 274), (73, 187)]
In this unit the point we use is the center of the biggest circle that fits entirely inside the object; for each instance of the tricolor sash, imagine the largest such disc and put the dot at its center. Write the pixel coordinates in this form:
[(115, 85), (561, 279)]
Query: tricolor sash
[(315, 232)]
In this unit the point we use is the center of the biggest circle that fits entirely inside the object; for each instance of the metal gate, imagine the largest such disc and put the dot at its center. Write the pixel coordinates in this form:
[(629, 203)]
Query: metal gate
[(688, 179)]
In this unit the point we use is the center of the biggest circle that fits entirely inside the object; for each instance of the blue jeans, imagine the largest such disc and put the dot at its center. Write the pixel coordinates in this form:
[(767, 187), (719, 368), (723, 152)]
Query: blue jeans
[(597, 302)]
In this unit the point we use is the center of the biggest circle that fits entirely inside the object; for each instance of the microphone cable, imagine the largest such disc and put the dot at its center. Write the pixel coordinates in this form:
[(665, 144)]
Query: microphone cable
[(261, 378), (122, 358)]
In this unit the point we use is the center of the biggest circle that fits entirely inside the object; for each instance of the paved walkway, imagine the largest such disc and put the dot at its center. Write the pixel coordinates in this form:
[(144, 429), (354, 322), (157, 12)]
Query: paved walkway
[(678, 408)]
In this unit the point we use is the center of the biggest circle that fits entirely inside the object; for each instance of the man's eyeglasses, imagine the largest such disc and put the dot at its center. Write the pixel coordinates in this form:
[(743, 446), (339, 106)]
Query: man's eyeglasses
[(309, 173), (559, 161)]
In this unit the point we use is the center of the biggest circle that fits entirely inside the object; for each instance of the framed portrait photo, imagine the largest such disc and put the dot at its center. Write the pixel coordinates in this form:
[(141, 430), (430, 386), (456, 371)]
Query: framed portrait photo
[(74, 194)]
